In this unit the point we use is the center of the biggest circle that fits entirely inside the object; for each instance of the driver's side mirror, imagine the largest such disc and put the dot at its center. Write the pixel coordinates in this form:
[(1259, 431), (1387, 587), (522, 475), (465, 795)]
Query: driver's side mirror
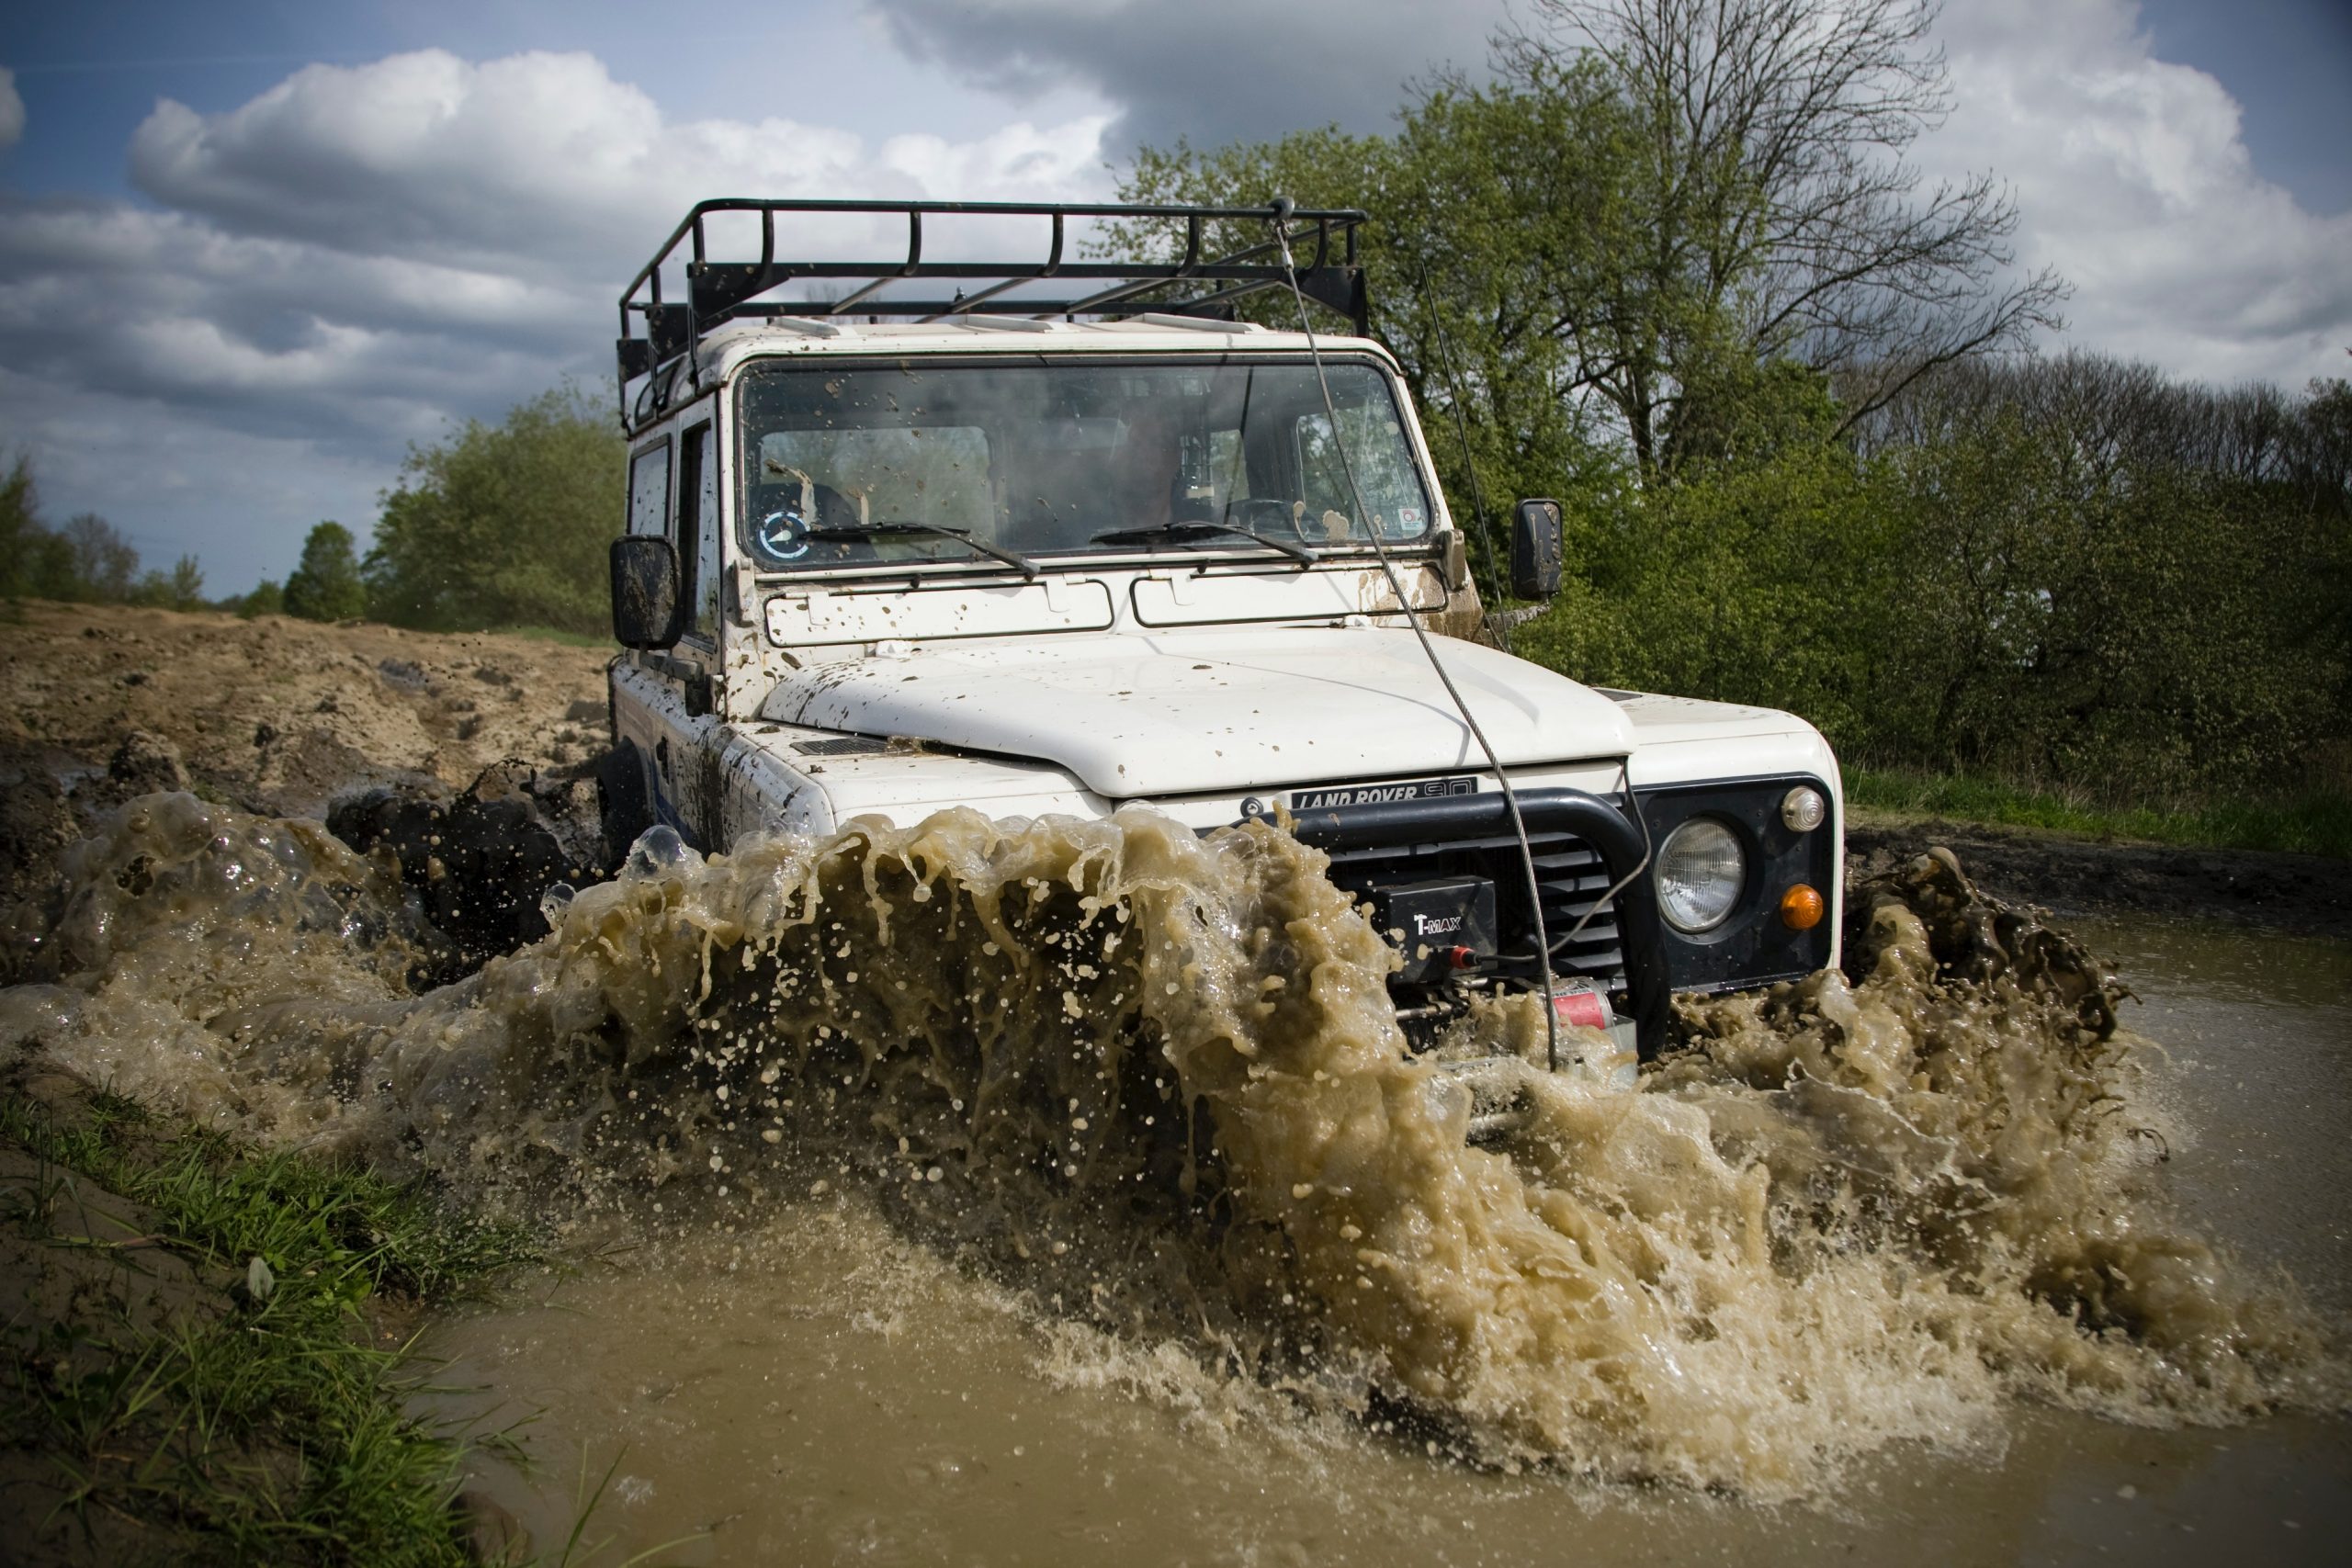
[(648, 610), (1535, 550)]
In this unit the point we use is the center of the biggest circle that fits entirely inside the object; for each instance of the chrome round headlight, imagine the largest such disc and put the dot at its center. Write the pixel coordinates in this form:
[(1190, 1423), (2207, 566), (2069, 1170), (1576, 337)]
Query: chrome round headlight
[(1700, 869), (1804, 809)]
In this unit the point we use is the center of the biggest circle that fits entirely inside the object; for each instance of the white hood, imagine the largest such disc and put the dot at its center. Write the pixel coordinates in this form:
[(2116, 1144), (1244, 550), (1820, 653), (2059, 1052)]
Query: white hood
[(1193, 712)]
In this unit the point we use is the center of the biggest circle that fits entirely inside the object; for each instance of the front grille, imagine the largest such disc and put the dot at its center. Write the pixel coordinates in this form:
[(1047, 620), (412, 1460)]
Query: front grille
[(1568, 872)]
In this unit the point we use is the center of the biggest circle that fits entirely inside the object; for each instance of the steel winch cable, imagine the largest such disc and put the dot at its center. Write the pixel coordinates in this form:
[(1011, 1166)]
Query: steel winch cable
[(1282, 207)]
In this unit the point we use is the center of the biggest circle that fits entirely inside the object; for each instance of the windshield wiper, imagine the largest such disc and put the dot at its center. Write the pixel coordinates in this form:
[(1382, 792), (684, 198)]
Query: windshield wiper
[(1202, 525), (1026, 567)]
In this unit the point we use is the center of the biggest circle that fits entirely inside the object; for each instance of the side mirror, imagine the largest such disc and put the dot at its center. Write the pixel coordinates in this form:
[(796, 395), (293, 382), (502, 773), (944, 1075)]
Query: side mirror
[(1535, 550), (647, 611)]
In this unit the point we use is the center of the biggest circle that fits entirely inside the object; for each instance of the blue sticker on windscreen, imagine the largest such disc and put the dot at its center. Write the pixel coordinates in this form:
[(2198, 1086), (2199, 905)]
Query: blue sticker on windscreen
[(782, 535)]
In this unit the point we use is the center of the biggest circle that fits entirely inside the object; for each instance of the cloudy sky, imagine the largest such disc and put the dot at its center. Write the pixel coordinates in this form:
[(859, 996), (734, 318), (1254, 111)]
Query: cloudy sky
[(251, 250)]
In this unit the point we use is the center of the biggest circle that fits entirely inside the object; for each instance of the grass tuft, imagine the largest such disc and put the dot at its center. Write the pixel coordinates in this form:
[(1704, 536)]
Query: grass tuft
[(2318, 823), (246, 1425)]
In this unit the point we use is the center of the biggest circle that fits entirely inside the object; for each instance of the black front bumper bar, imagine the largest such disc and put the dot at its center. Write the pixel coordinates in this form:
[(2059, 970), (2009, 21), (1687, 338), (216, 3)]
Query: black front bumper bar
[(1452, 819)]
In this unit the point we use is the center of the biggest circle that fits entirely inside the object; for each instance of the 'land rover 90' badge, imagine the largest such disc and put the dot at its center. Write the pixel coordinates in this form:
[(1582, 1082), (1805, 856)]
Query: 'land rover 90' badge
[(1384, 794)]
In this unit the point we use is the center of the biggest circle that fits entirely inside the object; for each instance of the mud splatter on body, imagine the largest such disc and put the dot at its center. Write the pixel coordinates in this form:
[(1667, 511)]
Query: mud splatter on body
[(1154, 1081)]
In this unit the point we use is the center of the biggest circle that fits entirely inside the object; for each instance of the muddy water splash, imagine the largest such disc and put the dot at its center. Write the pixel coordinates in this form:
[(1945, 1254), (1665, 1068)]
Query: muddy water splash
[(1153, 1082)]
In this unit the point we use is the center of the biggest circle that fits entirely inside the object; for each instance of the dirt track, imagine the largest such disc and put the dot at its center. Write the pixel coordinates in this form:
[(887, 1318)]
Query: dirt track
[(278, 714), (98, 702)]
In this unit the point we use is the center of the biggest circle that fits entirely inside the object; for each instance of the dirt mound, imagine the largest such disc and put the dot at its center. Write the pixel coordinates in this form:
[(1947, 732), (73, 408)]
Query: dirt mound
[(102, 703)]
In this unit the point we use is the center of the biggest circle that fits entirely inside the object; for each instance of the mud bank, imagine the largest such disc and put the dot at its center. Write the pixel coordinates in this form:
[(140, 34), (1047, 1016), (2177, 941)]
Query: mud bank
[(2303, 895)]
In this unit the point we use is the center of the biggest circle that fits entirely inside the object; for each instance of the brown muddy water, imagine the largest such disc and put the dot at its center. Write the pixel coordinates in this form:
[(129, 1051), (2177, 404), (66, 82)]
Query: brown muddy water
[(821, 1390), (972, 1195)]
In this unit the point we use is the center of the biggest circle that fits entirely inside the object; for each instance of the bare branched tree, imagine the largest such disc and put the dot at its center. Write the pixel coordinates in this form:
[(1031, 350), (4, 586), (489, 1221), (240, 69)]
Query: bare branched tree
[(1774, 215)]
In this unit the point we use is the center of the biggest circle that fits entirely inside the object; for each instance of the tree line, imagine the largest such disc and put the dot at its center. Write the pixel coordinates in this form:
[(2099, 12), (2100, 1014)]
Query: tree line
[(499, 525), (85, 559)]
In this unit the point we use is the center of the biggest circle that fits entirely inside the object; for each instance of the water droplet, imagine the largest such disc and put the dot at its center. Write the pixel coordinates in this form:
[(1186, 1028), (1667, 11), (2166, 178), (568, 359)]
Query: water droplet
[(658, 851)]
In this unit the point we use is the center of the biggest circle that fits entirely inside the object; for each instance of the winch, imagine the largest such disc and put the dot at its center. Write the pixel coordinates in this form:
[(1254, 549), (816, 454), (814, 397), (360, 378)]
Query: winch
[(1442, 927)]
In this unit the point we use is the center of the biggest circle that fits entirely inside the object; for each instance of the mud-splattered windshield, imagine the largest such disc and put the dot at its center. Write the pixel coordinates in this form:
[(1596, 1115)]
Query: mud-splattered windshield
[(1058, 458)]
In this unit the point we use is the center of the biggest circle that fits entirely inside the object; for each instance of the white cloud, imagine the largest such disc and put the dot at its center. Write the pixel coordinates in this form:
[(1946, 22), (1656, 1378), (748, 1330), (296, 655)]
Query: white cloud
[(12, 110), (538, 162), (343, 265), (2133, 181)]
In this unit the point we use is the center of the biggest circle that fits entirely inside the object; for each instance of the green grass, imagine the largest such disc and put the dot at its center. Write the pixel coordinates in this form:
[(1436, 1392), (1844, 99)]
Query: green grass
[(2317, 823), (269, 1430)]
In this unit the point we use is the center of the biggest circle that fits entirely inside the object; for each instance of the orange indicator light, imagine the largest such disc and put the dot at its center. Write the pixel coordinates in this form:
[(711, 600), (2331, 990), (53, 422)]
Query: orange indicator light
[(1801, 908)]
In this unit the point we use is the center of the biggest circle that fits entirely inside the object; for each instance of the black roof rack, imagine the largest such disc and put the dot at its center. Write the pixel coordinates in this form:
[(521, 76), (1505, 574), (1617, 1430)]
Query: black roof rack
[(655, 331)]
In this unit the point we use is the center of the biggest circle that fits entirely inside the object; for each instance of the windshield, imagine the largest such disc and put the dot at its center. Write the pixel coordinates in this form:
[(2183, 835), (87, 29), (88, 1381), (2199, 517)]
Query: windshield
[(1047, 460)]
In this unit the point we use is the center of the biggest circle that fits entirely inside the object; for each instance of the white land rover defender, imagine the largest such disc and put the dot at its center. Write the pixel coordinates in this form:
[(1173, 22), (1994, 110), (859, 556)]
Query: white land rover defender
[(1087, 541)]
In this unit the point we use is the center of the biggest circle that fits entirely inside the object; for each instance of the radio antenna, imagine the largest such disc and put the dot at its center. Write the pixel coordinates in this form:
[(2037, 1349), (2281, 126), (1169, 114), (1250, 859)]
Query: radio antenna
[(1469, 464), (1282, 207)]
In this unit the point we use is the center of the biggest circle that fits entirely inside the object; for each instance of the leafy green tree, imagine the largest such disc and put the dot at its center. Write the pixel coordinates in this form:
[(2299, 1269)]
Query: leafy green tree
[(19, 525), (1474, 203), (182, 588), (504, 524), (105, 564), (327, 586), (2116, 583), (1752, 581), (266, 598), (87, 560), (35, 561), (1760, 202), (1650, 199)]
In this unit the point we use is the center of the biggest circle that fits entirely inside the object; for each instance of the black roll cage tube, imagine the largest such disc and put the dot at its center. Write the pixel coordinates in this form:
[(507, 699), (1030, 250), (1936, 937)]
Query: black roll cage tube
[(1448, 820)]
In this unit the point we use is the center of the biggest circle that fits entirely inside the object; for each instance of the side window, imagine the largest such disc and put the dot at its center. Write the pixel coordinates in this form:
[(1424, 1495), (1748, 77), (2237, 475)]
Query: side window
[(697, 534), (648, 488)]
